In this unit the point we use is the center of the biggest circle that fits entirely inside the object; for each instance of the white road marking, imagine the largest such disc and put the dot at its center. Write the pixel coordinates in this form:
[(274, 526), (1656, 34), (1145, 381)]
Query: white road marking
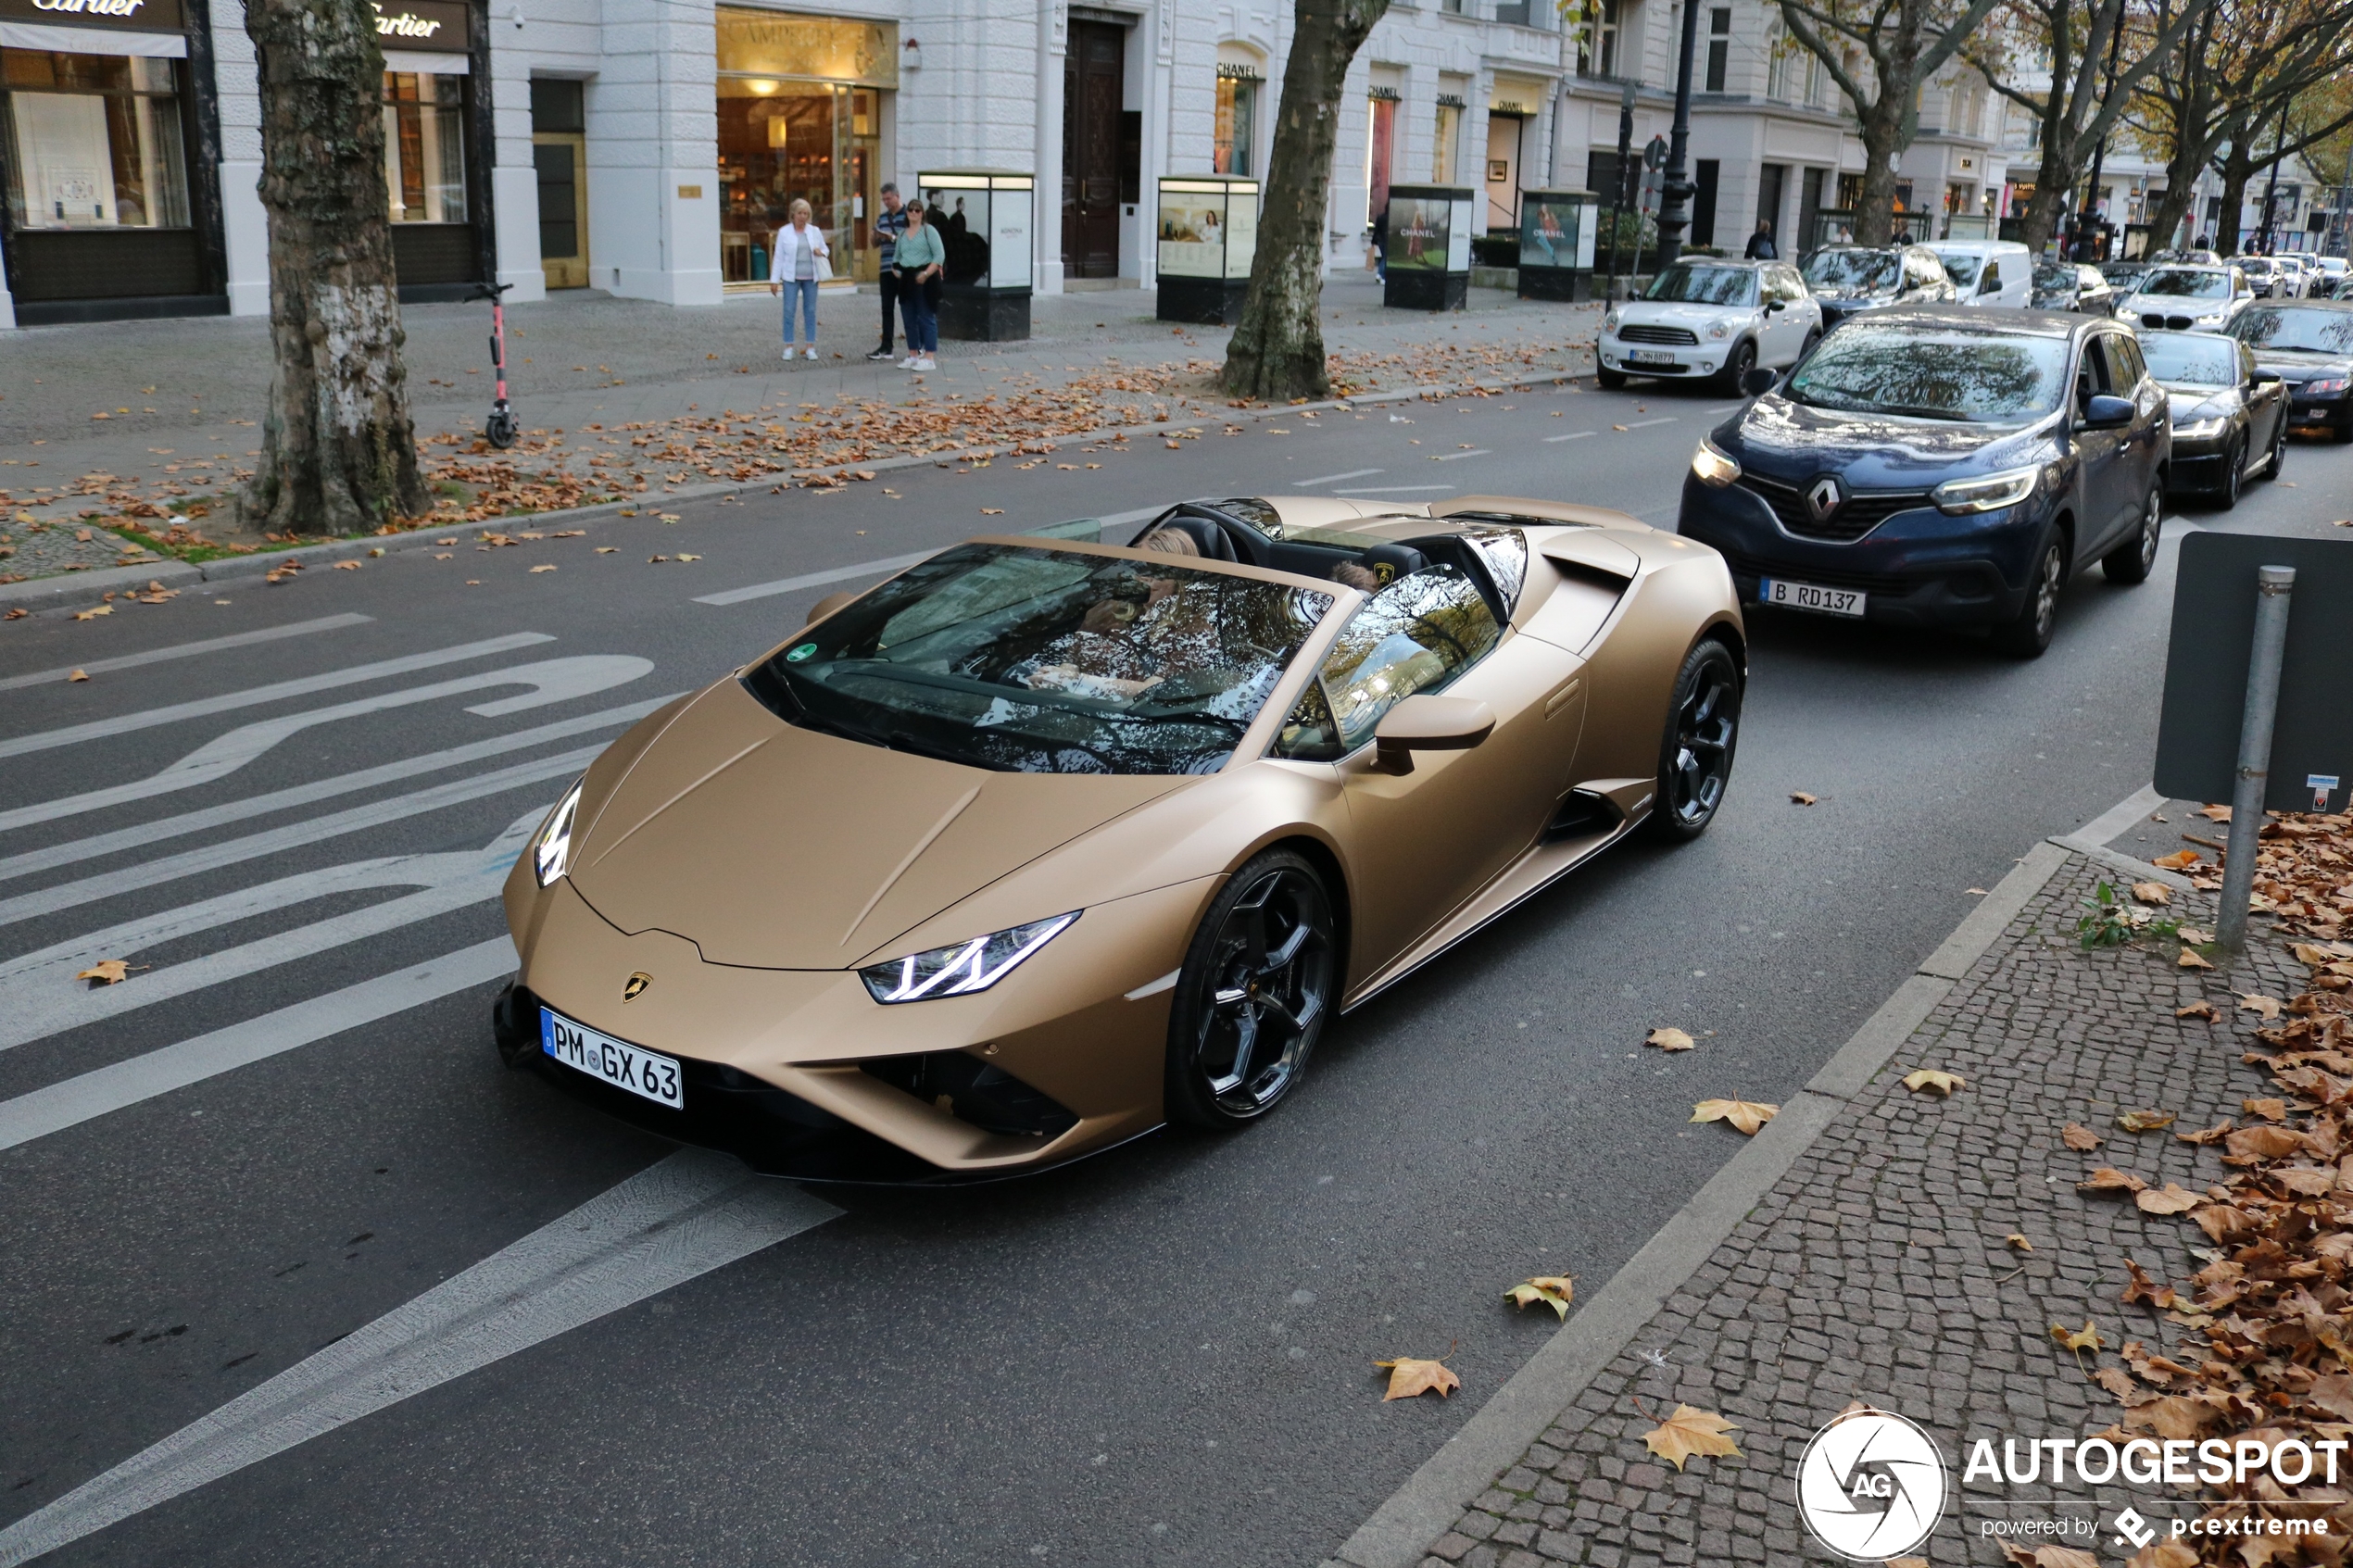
[(873, 568), (1453, 457), (97, 728), (271, 841), (140, 835), (72, 1101), (554, 680), (1646, 424), (1389, 489), (1727, 408), (47, 999), (674, 1222), (1572, 435), (187, 650), (1336, 477)]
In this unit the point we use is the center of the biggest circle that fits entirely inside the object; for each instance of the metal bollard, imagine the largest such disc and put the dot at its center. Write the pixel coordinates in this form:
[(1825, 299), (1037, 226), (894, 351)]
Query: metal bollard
[(2273, 587)]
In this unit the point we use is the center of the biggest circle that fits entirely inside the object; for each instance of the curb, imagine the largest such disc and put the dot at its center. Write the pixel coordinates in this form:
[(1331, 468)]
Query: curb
[(1402, 1529), (67, 591)]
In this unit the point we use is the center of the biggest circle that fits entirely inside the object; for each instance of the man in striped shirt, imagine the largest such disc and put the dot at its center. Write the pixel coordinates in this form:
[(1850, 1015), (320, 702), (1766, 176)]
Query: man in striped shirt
[(889, 225)]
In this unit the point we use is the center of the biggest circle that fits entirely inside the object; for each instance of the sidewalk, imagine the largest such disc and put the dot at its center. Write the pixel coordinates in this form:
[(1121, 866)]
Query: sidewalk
[(181, 399), (1877, 1266)]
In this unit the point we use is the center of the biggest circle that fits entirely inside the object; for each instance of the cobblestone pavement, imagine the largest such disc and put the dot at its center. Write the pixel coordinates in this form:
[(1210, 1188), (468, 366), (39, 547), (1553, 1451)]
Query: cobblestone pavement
[(1877, 1269), (181, 399)]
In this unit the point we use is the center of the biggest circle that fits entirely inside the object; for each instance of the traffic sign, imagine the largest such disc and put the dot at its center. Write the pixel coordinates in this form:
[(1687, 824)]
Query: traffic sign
[(1654, 154)]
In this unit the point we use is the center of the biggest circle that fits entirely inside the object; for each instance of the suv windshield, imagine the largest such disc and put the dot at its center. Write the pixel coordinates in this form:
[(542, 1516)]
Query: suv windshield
[(1047, 662), (1851, 271), (2306, 329), (1679, 284), (2188, 285), (2189, 361), (1937, 373)]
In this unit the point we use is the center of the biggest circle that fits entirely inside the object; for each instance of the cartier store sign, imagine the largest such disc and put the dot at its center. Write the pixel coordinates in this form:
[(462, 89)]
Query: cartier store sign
[(135, 16), (439, 26)]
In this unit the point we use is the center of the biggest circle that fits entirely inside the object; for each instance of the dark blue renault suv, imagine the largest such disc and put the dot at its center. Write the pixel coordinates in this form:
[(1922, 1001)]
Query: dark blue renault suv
[(1940, 467)]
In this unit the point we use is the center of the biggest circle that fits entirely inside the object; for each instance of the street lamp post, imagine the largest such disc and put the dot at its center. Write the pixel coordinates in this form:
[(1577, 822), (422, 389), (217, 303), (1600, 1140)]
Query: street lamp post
[(1675, 192)]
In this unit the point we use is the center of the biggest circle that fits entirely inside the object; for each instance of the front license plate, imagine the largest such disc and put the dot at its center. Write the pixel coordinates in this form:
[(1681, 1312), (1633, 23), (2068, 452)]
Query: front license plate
[(1805, 596), (644, 1073), (1649, 357)]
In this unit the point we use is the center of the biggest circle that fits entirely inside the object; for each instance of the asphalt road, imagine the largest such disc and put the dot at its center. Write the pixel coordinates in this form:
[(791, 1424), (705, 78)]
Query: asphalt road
[(1162, 1355)]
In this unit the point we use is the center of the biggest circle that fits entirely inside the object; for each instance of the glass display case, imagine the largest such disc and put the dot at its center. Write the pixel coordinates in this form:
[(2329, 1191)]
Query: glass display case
[(1556, 229), (1426, 252), (983, 217), (1207, 226)]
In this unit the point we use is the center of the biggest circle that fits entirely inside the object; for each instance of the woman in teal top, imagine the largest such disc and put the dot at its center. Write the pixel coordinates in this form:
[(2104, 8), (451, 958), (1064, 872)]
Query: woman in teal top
[(919, 257)]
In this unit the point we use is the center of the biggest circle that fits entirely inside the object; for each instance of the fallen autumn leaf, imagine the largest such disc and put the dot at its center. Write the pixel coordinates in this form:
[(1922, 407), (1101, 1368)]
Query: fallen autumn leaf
[(1691, 1431), (1746, 1115)]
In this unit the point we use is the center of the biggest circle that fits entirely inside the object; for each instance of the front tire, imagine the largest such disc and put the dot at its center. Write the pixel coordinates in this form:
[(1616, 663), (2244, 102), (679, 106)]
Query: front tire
[(2226, 495), (2277, 460), (1609, 380), (499, 429), (2130, 562), (2026, 634), (1741, 361), (1696, 752), (1256, 987)]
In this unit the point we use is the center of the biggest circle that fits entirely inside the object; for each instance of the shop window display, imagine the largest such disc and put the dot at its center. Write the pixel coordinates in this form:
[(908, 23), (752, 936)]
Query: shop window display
[(800, 109), (94, 141), (425, 147)]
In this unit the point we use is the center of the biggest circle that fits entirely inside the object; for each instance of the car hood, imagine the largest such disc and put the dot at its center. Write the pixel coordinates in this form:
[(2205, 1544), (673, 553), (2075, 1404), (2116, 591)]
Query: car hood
[(1662, 313), (2297, 366), (778, 847), (2191, 403), (1795, 443), (2176, 305)]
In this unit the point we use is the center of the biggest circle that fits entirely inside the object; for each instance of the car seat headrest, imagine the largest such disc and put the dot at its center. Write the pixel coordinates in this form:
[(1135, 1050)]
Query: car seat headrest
[(1389, 562)]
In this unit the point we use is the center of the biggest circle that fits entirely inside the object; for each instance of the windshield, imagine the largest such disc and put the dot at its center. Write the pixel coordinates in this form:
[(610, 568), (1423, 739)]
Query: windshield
[(2299, 329), (2188, 285), (1704, 285), (2054, 277), (1947, 373), (1047, 662), (2189, 361), (1962, 270), (1851, 271)]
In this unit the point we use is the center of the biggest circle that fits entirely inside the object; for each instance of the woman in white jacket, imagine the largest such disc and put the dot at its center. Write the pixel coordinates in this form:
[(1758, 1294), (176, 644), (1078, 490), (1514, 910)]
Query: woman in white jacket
[(799, 265)]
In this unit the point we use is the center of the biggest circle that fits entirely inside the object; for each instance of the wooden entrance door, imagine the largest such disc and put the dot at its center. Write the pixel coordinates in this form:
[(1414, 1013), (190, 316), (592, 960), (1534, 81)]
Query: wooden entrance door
[(1092, 99)]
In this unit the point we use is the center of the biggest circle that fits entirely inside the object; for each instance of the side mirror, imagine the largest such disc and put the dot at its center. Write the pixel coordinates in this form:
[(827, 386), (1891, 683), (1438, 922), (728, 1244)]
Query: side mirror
[(2105, 413), (2262, 377), (1758, 381), (1771, 306), (1430, 723), (829, 604)]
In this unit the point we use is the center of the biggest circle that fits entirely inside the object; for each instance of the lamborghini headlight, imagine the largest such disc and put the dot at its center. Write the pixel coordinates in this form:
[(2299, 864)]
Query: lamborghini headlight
[(551, 850), (2200, 430), (1713, 468), (1989, 494), (961, 968)]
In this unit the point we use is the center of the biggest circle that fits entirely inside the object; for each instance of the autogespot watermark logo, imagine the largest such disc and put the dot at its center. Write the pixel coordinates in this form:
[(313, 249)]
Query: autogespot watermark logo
[(1871, 1486)]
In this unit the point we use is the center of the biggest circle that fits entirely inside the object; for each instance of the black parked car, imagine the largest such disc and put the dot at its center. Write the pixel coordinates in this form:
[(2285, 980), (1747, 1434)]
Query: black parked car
[(2228, 414), (2309, 342), (1849, 279), (1929, 467), (2071, 285)]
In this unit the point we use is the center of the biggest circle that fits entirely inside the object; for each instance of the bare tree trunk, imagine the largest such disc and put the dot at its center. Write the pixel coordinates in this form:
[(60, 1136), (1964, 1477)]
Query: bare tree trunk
[(339, 455), (1278, 352), (2237, 169), (1882, 131)]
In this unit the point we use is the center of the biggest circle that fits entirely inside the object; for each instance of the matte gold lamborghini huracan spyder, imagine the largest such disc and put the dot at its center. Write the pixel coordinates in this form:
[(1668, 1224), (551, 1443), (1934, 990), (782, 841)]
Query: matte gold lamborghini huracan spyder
[(1042, 843)]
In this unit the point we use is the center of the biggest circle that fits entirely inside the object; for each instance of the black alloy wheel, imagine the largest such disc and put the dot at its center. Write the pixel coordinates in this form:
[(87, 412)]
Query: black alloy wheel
[(2226, 495), (1252, 998), (2277, 460), (2131, 561), (2026, 634), (1695, 754), (1741, 361)]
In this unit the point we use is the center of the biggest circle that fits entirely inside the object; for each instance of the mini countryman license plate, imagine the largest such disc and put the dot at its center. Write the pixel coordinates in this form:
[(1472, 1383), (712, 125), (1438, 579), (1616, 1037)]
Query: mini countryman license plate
[(1649, 357), (1805, 596), (643, 1072)]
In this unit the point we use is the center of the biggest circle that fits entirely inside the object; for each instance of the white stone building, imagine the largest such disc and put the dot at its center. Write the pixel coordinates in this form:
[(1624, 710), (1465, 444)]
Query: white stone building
[(639, 145)]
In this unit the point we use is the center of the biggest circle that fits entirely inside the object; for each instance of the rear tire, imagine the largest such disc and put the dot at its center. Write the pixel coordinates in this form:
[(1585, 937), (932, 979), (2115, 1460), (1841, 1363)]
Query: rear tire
[(1258, 982), (2026, 634), (2130, 562), (1695, 751), (1608, 380)]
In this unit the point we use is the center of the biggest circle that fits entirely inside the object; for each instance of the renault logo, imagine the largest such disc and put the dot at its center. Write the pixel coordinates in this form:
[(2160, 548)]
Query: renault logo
[(634, 987), (1824, 498)]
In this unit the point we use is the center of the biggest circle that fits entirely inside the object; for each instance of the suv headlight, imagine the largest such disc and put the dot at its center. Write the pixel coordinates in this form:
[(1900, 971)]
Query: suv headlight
[(961, 968), (2200, 430), (1720, 328), (551, 850), (1713, 467), (1989, 494)]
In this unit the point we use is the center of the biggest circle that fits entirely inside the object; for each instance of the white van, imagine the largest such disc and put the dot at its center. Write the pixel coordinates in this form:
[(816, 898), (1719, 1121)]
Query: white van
[(1989, 272)]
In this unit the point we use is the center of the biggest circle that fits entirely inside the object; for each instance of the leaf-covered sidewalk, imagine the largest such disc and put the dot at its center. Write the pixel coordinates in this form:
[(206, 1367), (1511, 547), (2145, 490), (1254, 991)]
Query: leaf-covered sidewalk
[(1937, 1257)]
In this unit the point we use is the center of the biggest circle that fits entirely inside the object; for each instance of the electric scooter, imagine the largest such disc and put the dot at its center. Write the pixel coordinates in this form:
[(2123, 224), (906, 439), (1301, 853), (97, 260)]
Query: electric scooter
[(500, 428)]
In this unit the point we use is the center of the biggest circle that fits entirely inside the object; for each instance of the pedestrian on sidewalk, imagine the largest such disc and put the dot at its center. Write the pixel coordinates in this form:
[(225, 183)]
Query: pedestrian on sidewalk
[(1760, 244), (920, 255), (799, 267), (887, 228)]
